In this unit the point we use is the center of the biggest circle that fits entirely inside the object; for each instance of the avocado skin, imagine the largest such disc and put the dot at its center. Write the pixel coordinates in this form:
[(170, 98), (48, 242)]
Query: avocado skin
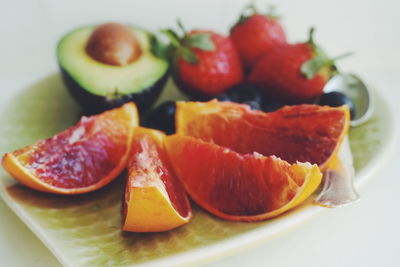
[(94, 104)]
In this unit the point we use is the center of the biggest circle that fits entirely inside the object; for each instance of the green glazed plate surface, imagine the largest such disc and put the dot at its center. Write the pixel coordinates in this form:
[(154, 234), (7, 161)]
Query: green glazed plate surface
[(85, 230)]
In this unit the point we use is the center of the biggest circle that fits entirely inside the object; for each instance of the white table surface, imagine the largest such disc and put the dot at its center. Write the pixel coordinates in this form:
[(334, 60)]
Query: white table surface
[(365, 234)]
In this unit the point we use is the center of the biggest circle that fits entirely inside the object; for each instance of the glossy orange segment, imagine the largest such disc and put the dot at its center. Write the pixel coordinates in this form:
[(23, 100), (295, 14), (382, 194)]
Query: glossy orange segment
[(241, 187), (305, 133), (80, 159), (155, 199)]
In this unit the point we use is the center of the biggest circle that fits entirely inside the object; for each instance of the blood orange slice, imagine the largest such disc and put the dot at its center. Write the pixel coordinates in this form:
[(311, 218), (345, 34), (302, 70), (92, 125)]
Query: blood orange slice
[(155, 200), (305, 133), (80, 159), (239, 187)]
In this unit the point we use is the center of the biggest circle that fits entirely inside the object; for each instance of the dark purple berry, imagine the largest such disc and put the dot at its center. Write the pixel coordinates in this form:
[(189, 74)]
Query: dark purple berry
[(272, 106), (253, 104), (244, 92), (336, 99), (163, 117), (223, 97)]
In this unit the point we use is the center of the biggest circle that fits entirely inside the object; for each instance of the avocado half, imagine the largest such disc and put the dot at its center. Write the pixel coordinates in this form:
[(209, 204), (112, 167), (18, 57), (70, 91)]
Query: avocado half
[(97, 86)]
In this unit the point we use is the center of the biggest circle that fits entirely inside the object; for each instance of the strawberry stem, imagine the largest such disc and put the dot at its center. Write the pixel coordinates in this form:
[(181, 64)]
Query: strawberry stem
[(311, 36), (250, 7), (181, 27), (342, 56)]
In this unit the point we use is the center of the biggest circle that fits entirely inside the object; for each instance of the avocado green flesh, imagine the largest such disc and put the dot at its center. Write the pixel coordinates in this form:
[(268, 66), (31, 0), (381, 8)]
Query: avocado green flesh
[(107, 80)]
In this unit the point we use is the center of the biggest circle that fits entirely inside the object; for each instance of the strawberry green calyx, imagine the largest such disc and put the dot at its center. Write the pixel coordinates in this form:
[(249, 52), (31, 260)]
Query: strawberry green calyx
[(183, 44), (251, 10), (247, 12), (201, 41), (159, 48), (319, 60)]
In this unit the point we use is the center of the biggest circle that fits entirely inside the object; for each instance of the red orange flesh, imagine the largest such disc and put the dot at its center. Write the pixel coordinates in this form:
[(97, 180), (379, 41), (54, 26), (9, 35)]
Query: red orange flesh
[(240, 187), (305, 133), (80, 159), (155, 200)]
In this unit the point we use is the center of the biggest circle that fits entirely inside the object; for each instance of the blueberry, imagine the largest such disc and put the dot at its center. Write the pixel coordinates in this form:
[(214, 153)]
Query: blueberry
[(253, 104), (163, 117), (223, 97), (336, 99), (272, 106), (244, 92)]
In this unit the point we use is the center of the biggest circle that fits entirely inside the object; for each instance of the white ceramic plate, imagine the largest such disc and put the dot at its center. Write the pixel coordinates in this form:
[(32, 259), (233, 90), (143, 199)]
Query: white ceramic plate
[(85, 230)]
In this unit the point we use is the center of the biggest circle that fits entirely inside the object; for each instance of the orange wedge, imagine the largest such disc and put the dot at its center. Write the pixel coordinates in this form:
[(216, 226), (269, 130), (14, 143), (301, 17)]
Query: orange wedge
[(305, 133), (80, 159), (239, 187), (155, 200)]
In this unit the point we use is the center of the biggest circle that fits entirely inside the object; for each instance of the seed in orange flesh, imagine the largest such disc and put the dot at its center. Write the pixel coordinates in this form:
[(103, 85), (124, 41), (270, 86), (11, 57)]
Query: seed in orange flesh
[(155, 200), (305, 133), (80, 159), (239, 187)]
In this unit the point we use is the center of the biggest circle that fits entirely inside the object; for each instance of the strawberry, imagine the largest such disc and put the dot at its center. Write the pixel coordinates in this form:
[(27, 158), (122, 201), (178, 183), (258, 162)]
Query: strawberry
[(205, 63), (293, 73), (255, 34)]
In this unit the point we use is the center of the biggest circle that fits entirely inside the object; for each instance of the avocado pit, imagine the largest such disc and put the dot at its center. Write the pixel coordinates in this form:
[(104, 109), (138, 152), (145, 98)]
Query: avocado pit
[(113, 44)]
